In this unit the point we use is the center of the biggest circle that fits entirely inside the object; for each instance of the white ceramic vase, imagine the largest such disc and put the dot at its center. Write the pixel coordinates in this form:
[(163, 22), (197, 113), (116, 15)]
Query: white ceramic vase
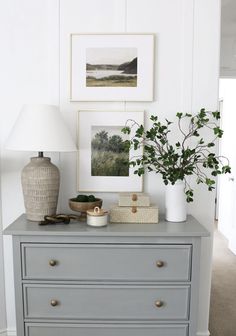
[(175, 202)]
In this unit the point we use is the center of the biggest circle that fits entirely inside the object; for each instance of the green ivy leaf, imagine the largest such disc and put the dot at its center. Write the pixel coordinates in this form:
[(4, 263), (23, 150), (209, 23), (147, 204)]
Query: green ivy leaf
[(201, 142), (179, 115), (226, 169), (153, 118), (218, 132), (211, 144), (126, 130), (216, 115)]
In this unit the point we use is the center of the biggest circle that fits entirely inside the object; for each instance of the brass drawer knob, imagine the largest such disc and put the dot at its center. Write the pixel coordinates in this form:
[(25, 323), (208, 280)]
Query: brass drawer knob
[(54, 303), (134, 209), (159, 303), (134, 197), (52, 262), (160, 263)]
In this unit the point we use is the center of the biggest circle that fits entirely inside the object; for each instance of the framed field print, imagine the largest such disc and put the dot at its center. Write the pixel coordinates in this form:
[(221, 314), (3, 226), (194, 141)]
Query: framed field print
[(112, 67), (103, 160)]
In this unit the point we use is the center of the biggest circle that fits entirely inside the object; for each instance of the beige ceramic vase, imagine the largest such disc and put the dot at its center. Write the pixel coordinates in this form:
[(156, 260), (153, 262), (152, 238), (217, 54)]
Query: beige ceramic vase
[(40, 182)]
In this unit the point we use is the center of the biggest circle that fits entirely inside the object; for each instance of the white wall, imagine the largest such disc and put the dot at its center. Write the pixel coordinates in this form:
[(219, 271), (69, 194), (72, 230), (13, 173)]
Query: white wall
[(29, 73), (37, 53), (227, 183), (205, 91)]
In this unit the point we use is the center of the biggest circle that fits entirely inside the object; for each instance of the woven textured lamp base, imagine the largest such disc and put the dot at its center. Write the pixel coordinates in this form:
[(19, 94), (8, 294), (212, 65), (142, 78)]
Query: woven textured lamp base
[(40, 182)]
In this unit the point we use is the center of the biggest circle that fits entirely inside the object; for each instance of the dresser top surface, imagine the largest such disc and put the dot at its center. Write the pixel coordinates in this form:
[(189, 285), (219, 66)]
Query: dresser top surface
[(191, 228)]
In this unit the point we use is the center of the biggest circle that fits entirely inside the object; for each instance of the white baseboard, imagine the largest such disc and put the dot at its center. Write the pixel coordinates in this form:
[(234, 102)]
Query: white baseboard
[(8, 332), (13, 333), (207, 333)]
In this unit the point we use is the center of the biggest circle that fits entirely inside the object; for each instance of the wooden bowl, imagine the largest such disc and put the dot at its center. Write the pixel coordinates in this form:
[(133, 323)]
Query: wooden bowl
[(82, 207)]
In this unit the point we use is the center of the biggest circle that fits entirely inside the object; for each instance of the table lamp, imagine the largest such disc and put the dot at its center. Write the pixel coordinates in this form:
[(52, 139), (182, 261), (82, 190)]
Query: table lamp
[(40, 128)]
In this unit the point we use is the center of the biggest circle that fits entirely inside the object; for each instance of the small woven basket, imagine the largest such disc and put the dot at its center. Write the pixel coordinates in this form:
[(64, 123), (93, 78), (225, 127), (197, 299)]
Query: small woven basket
[(134, 214)]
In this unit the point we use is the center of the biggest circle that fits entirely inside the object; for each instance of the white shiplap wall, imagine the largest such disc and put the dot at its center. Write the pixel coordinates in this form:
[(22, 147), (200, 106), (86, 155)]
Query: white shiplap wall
[(36, 69), (29, 63)]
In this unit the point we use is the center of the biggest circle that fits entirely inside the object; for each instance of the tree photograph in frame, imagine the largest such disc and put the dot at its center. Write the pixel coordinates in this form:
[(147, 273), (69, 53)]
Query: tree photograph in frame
[(112, 67), (109, 156), (103, 158)]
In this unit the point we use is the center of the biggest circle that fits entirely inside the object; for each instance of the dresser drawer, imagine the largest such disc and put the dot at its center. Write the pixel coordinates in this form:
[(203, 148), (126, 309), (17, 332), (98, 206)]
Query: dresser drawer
[(36, 329), (106, 262), (92, 302)]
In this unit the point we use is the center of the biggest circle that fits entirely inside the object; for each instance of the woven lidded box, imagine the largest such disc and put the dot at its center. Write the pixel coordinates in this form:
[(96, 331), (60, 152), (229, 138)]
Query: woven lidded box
[(134, 199), (134, 214)]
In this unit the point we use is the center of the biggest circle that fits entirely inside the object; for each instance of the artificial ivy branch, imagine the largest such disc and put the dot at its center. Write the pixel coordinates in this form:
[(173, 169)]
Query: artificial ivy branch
[(191, 155)]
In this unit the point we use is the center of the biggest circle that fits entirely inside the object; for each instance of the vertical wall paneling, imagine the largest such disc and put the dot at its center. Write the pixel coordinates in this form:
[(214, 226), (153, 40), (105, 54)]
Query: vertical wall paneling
[(187, 55), (78, 16), (38, 70), (28, 75), (182, 30), (205, 94), (3, 322), (172, 24), (53, 64)]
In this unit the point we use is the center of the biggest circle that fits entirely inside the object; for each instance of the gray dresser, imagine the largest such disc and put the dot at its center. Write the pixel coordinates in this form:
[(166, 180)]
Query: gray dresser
[(119, 280)]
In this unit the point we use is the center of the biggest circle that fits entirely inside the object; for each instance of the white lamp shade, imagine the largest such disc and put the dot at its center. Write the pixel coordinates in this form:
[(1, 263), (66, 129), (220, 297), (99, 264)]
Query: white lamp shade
[(40, 128)]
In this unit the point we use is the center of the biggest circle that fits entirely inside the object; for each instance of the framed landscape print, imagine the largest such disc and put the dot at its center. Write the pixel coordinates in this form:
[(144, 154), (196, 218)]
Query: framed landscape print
[(112, 67), (103, 160)]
